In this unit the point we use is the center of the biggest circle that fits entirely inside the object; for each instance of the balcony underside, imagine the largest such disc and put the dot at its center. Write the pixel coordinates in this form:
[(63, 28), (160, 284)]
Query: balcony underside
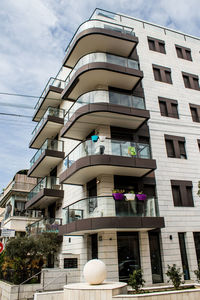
[(49, 129), (44, 198), (89, 167), (47, 161), (99, 40), (52, 98), (91, 76), (112, 223), (88, 117)]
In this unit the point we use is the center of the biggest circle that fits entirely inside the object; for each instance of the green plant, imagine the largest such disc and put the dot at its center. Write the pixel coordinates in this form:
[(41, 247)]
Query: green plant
[(118, 191), (197, 272), (136, 280), (174, 275), (131, 192)]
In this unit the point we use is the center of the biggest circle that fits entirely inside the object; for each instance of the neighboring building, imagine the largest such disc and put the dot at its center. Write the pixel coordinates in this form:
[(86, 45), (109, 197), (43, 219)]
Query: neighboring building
[(134, 85), (12, 202)]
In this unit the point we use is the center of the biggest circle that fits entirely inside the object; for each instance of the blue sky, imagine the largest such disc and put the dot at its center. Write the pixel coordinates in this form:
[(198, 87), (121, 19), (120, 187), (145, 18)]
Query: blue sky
[(34, 35)]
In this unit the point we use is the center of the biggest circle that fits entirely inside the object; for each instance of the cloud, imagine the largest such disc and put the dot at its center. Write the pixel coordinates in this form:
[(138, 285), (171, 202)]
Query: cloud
[(34, 35)]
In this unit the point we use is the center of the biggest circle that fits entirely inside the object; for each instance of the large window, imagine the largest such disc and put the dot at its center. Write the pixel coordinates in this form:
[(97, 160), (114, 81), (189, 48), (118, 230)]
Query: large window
[(175, 146), (184, 53), (182, 193), (195, 112), (191, 81), (168, 107), (162, 74), (156, 45)]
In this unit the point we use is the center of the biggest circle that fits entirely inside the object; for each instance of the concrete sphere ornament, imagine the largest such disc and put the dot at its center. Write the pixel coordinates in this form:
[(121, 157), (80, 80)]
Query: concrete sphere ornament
[(94, 271)]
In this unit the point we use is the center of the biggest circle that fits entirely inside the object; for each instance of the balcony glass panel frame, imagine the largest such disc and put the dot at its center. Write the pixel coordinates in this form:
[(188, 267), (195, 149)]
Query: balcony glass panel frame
[(48, 182), (108, 147), (49, 144), (44, 225), (51, 111), (105, 58), (106, 206), (103, 96), (95, 23)]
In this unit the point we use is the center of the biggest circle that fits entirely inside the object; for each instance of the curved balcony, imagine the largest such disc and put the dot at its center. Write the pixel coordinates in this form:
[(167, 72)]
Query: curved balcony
[(47, 191), (48, 127), (88, 159), (103, 212), (101, 69), (96, 35), (46, 158), (51, 96), (103, 107)]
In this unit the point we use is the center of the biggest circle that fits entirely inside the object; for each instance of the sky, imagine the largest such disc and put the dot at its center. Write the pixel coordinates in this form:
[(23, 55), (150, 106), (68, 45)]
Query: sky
[(33, 37)]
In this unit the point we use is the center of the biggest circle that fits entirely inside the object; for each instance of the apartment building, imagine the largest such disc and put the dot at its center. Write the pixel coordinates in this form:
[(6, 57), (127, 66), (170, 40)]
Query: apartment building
[(14, 217), (122, 116)]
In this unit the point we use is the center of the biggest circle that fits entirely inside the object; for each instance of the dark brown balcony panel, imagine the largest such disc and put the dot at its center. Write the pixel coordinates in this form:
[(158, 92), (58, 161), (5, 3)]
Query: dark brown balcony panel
[(49, 129), (52, 98), (89, 167), (44, 198), (90, 76), (99, 40), (47, 161), (114, 223), (86, 118)]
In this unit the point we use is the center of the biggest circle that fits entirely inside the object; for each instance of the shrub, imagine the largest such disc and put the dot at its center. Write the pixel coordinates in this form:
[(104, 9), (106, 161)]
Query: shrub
[(197, 272), (136, 280), (174, 275)]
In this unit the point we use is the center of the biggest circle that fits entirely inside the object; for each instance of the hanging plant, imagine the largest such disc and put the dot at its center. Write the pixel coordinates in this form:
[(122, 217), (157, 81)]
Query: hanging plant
[(118, 194)]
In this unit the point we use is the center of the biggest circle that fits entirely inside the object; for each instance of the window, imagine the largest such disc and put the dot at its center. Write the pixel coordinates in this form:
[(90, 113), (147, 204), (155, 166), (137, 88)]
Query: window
[(184, 259), (182, 193), (162, 74), (175, 146), (156, 45), (197, 244), (184, 53), (168, 107), (198, 142), (70, 263), (195, 112), (191, 81)]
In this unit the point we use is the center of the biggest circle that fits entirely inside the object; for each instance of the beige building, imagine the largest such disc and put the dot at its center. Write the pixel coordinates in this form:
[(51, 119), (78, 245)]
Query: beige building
[(118, 149)]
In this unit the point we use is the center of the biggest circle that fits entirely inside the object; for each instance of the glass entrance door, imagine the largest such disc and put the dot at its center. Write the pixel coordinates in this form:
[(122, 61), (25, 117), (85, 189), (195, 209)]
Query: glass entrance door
[(128, 254)]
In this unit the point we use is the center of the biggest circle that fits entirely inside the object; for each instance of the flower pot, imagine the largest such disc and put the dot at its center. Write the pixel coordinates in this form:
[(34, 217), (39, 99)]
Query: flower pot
[(94, 138), (141, 196), (118, 196), (129, 197)]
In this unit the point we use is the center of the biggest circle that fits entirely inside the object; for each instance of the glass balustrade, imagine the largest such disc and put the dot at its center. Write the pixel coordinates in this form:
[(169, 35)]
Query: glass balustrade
[(51, 111), (49, 182), (50, 145), (44, 225), (109, 147), (102, 57), (106, 206), (101, 24), (105, 97), (52, 82)]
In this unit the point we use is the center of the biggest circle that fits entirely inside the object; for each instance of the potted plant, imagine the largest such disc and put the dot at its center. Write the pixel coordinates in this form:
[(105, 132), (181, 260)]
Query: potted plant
[(118, 194), (141, 196), (130, 196), (94, 138)]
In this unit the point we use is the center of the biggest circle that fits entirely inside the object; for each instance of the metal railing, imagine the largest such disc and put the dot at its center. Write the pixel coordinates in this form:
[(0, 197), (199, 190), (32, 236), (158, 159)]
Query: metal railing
[(49, 182), (106, 206), (51, 111), (51, 82), (100, 96), (102, 57), (50, 145), (109, 147)]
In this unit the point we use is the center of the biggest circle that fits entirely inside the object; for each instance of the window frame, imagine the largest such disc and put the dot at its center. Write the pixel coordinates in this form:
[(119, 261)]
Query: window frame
[(183, 186), (176, 146), (197, 112), (168, 104), (191, 81), (165, 74), (184, 52), (159, 45)]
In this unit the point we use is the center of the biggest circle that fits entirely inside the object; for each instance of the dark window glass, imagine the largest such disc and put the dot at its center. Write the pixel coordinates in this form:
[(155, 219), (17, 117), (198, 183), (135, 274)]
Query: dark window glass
[(198, 142), (188, 54), (157, 74), (94, 245), (70, 263), (155, 255), (196, 83), (197, 244), (151, 45), (184, 259), (168, 76), (174, 108), (162, 47), (179, 52), (194, 114), (189, 196), (176, 195), (163, 108), (186, 81), (182, 149), (170, 148)]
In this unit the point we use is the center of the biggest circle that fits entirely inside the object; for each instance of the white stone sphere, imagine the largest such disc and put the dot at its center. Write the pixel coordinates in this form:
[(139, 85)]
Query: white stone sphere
[(94, 271)]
